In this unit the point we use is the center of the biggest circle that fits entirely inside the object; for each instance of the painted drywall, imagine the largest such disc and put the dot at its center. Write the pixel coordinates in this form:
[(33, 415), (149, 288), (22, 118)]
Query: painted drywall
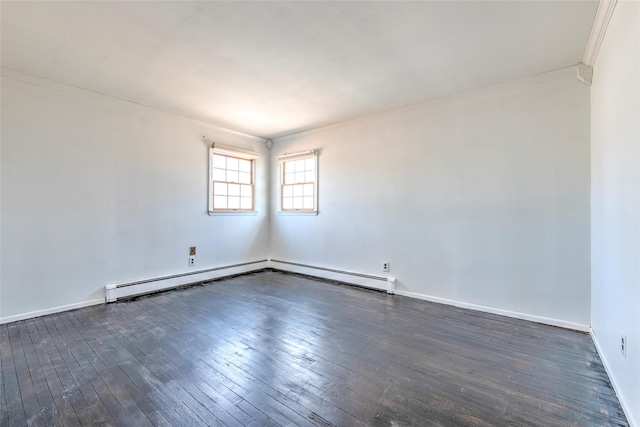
[(267, 67), (98, 191), (615, 203), (482, 200)]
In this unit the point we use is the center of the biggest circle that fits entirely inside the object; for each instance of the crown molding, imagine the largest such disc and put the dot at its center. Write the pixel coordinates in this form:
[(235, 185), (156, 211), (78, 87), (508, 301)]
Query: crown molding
[(13, 74), (408, 109), (536, 79), (598, 30), (584, 73)]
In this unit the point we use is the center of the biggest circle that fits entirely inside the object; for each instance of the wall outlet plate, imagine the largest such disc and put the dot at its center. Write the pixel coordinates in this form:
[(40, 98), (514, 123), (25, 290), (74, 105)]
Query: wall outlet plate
[(192, 261), (385, 266), (623, 345)]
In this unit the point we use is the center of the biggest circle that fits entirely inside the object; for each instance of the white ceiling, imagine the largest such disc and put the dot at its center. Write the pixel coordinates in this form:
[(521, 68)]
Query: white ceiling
[(273, 68)]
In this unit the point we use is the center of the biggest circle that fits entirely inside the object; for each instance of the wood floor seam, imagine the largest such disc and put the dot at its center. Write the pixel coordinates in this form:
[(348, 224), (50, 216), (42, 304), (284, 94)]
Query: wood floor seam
[(274, 349)]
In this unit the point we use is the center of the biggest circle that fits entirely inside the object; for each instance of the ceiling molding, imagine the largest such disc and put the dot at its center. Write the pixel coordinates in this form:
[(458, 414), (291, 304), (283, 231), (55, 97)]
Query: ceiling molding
[(566, 72), (12, 74), (600, 24), (584, 73)]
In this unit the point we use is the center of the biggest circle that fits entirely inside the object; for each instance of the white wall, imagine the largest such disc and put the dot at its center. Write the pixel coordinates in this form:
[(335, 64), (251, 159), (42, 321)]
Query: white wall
[(615, 203), (482, 200), (98, 191)]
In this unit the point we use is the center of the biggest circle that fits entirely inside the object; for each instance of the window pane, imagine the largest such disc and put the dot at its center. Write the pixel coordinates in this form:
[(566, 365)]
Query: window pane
[(308, 203), (244, 178), (219, 161), (309, 177), (232, 183), (234, 190), (308, 190), (288, 178), (219, 202), (287, 203), (234, 202), (244, 165), (245, 203), (298, 188), (232, 164), (219, 175), (219, 189), (232, 176), (246, 191), (310, 164)]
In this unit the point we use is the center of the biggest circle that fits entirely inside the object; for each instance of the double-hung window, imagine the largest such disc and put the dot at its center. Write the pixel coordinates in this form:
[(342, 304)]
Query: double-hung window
[(299, 182), (232, 179)]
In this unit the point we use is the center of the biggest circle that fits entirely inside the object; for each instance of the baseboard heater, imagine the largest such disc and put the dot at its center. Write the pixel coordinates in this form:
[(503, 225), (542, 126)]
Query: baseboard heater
[(126, 290), (381, 283)]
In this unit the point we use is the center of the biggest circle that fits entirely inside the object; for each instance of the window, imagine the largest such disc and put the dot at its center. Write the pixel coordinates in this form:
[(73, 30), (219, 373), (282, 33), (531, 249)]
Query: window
[(299, 182), (231, 175)]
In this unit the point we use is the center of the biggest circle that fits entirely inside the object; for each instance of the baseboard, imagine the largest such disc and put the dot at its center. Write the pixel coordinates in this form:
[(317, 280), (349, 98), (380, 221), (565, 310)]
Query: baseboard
[(388, 284), (53, 310), (114, 292), (125, 290), (517, 315), (359, 279), (620, 396)]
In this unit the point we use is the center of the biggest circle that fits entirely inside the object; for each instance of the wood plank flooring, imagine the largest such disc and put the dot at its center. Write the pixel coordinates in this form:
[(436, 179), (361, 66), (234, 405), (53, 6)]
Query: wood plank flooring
[(272, 349)]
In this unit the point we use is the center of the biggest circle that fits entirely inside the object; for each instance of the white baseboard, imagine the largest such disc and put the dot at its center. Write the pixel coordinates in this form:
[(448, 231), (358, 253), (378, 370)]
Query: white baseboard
[(517, 315), (612, 378), (116, 291), (38, 313), (365, 280), (383, 284)]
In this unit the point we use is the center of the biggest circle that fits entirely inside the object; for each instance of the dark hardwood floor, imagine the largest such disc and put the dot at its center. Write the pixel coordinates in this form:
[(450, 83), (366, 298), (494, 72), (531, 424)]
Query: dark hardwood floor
[(271, 349)]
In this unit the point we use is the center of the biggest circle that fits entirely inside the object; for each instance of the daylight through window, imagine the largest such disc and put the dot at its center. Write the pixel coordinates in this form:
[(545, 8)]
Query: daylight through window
[(299, 182), (232, 180)]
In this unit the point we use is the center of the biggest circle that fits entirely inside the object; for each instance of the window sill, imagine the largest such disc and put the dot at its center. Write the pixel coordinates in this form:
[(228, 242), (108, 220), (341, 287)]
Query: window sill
[(232, 213), (299, 213)]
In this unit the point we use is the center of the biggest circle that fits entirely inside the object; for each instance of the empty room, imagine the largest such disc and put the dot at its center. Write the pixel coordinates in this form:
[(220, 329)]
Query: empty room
[(300, 213)]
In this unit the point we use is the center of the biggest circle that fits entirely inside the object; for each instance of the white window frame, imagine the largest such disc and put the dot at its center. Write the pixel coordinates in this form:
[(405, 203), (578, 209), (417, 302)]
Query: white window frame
[(239, 154), (301, 155)]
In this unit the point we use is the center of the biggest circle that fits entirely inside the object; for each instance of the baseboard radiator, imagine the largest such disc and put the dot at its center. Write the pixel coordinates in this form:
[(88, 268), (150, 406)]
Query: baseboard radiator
[(114, 292), (380, 283)]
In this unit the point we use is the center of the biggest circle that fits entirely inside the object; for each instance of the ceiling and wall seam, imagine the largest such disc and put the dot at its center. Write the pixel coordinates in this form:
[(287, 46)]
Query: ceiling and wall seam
[(598, 30), (293, 66), (413, 108), (88, 93), (445, 100)]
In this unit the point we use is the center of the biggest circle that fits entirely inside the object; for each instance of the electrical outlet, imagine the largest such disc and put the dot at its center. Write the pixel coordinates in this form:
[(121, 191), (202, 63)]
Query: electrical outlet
[(623, 345), (192, 261), (385, 266), (192, 251)]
